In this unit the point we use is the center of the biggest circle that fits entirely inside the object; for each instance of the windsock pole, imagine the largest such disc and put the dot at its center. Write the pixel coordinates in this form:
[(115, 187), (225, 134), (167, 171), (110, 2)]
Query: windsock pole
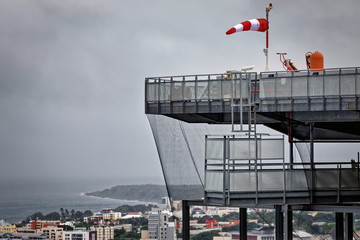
[(266, 50)]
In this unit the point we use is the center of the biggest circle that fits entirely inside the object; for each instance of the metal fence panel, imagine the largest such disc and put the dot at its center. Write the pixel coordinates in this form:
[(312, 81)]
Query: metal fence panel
[(202, 90), (299, 86), (331, 85), (176, 91), (214, 181), (152, 92), (242, 181), (165, 91), (189, 90), (215, 90), (215, 149)]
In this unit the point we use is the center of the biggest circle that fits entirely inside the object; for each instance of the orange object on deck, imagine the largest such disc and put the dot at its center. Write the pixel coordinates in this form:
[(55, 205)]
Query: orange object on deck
[(314, 61), (287, 63)]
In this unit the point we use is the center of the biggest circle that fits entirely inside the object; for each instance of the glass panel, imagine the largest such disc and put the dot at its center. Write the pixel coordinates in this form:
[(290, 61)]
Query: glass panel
[(347, 84), (316, 86), (215, 149), (331, 85), (267, 88), (151, 91), (214, 181), (243, 181), (244, 88), (189, 91), (239, 149), (215, 89), (326, 179), (271, 149), (296, 180), (299, 87), (271, 181), (202, 90), (226, 89), (349, 178), (283, 87), (177, 91), (236, 83), (165, 91)]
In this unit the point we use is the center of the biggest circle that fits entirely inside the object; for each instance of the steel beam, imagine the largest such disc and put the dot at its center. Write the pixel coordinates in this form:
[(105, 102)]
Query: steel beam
[(243, 223), (349, 228), (339, 218), (185, 220), (288, 224), (279, 223)]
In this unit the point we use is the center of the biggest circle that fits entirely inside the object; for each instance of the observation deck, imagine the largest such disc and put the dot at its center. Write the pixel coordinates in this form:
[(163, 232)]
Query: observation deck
[(328, 98), (252, 170)]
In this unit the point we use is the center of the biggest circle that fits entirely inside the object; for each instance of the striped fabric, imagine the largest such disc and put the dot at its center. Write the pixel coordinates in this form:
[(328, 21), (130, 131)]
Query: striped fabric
[(260, 25)]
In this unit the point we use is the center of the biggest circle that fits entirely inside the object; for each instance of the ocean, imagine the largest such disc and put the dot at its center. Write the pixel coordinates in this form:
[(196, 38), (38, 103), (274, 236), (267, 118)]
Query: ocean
[(23, 198)]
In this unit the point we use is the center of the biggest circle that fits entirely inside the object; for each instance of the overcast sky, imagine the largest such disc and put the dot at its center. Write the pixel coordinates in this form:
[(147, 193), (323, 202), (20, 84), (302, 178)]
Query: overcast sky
[(72, 72)]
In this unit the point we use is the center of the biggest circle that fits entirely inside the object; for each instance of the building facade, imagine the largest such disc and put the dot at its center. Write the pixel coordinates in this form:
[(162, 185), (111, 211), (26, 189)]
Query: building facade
[(160, 227), (103, 232)]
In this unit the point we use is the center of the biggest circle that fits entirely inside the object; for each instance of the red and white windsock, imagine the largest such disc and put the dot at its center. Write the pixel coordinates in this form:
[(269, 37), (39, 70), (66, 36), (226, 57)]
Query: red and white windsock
[(260, 25)]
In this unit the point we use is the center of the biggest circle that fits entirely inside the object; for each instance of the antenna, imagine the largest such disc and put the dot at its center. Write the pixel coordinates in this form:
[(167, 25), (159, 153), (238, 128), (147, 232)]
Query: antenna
[(266, 49)]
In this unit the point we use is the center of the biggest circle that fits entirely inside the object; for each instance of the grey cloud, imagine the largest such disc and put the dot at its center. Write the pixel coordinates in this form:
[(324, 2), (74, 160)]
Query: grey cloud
[(72, 72)]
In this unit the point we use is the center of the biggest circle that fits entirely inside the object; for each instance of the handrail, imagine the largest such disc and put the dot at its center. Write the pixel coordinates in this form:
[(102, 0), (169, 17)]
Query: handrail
[(290, 85)]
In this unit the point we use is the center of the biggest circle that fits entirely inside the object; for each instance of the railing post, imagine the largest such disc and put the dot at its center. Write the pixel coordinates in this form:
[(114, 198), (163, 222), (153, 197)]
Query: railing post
[(224, 172)]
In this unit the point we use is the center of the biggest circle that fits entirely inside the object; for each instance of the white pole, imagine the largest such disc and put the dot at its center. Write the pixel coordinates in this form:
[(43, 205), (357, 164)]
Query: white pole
[(266, 50)]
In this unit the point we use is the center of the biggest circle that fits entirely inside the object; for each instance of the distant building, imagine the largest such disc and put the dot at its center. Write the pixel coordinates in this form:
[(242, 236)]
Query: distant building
[(145, 235), (53, 233), (109, 214), (6, 227), (38, 224), (79, 235), (104, 215), (103, 232), (160, 227), (222, 238)]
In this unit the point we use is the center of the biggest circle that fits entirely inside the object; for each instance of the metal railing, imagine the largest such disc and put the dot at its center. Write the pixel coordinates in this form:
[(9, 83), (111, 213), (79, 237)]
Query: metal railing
[(198, 87), (332, 82), (235, 165)]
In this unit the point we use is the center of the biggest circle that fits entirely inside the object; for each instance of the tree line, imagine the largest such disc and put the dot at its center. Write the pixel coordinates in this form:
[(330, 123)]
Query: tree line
[(63, 215)]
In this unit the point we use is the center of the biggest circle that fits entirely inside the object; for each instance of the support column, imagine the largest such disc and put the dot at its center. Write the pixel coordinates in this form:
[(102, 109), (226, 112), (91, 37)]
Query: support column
[(349, 227), (288, 223), (312, 166), (185, 220), (291, 141), (339, 218), (279, 223), (243, 223)]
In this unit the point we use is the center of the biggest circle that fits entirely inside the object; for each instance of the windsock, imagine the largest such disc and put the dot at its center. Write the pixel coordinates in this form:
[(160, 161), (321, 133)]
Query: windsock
[(260, 25)]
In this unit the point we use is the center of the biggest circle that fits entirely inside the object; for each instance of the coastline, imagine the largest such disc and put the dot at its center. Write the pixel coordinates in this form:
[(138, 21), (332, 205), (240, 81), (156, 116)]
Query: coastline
[(122, 200)]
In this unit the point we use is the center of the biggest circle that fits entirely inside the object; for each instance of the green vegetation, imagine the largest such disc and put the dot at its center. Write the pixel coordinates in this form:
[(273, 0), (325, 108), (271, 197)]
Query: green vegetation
[(63, 216), (206, 235), (145, 193), (136, 208), (122, 234)]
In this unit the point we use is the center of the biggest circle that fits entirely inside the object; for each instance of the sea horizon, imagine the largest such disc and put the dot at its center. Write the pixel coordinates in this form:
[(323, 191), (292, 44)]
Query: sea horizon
[(21, 199)]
